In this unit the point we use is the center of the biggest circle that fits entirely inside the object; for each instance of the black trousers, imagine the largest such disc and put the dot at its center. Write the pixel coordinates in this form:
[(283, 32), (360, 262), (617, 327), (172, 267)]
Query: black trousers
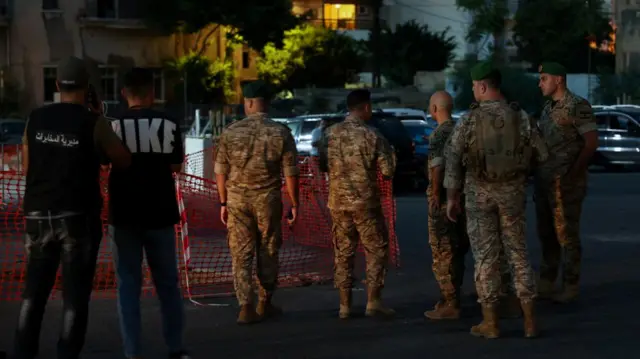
[(53, 238)]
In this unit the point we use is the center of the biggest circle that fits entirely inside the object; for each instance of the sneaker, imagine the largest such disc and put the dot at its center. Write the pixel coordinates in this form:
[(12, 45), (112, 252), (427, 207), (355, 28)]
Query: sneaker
[(180, 355)]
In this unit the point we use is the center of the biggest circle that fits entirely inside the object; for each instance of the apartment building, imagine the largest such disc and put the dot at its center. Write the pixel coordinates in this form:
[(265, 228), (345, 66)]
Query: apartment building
[(352, 17), (627, 19), (36, 34)]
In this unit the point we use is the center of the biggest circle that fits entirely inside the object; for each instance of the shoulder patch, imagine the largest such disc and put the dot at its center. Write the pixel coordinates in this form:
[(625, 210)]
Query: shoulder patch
[(474, 105), (583, 110), (514, 106)]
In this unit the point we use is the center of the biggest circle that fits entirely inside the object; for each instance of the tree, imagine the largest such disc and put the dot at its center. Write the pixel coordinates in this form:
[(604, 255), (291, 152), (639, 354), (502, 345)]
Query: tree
[(311, 56), (488, 17), (517, 85), (410, 48), (207, 81), (563, 31), (256, 22)]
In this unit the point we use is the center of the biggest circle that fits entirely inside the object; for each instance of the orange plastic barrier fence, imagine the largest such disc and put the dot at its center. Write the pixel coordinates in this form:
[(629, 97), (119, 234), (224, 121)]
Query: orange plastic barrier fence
[(306, 256)]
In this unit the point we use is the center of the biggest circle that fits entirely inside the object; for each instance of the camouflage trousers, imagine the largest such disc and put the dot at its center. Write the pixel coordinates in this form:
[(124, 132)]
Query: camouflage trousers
[(369, 225), (449, 245), (255, 226), (558, 211), (496, 223)]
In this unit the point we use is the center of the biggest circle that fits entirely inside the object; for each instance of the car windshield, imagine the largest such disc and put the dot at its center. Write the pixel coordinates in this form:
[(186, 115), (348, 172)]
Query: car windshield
[(294, 126), (418, 118)]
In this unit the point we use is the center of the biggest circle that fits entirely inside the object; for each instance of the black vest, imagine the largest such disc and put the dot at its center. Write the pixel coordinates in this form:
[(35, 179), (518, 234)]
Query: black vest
[(64, 164)]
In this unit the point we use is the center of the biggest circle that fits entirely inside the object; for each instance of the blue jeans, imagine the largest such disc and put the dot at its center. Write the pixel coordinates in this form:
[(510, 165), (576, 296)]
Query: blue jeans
[(160, 248)]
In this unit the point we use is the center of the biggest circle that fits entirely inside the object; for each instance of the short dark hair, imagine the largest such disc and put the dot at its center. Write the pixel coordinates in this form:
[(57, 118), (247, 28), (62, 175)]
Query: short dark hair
[(138, 81), (494, 79), (358, 98)]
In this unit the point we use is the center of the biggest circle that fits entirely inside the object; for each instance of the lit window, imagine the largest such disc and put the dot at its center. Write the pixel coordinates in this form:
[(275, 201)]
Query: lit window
[(340, 16)]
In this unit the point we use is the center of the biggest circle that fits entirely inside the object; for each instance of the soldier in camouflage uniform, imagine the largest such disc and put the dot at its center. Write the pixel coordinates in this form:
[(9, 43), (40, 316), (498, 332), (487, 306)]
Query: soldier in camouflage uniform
[(448, 240), (569, 129), (496, 142), (356, 152), (251, 155)]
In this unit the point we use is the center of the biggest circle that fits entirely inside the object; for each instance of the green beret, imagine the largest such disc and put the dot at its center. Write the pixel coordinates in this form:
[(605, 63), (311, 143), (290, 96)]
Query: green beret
[(255, 89), (552, 68), (482, 70)]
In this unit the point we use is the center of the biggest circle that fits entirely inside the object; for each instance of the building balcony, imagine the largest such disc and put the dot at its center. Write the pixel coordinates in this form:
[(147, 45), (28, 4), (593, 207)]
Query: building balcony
[(343, 24), (113, 14)]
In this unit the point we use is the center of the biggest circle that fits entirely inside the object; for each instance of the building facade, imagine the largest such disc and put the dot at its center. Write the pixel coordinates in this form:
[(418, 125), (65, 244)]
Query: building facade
[(36, 34)]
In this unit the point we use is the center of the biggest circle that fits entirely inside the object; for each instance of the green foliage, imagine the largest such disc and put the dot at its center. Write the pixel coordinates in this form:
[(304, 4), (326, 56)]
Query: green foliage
[(257, 22), (207, 81), (410, 48), (560, 31), (517, 85), (488, 17), (311, 56)]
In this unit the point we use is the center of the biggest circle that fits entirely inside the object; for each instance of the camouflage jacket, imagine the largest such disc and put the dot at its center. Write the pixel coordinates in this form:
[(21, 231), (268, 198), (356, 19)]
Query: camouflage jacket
[(355, 153), (438, 141), (253, 153), (562, 124), (464, 135)]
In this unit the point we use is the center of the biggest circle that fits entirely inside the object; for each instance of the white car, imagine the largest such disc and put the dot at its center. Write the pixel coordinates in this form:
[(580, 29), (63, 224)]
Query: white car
[(410, 114)]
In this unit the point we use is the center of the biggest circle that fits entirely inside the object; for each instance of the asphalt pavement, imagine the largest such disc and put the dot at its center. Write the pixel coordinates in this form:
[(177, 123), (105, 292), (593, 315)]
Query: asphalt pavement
[(604, 324)]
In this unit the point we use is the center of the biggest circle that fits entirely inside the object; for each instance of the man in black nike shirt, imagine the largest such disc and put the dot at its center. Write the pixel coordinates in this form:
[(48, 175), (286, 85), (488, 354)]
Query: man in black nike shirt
[(143, 212), (62, 146)]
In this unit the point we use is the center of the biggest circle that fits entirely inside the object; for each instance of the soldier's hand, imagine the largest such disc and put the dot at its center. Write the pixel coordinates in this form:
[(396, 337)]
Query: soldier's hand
[(223, 215), (453, 210), (293, 215)]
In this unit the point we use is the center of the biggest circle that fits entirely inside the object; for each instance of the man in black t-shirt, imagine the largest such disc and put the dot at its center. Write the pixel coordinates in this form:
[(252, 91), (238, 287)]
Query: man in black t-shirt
[(143, 212), (62, 145)]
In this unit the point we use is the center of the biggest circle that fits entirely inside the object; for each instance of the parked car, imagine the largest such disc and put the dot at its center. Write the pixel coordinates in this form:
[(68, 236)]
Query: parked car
[(390, 127), (420, 130), (11, 131), (410, 114), (618, 135)]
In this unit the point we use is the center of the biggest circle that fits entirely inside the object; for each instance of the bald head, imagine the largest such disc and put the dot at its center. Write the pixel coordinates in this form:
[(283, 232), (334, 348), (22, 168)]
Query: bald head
[(440, 106)]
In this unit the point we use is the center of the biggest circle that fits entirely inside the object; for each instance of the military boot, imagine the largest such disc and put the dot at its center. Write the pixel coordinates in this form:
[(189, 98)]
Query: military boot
[(247, 315), (265, 308), (509, 306), (569, 294), (375, 308), (530, 325), (345, 304), (488, 328), (546, 289), (444, 310)]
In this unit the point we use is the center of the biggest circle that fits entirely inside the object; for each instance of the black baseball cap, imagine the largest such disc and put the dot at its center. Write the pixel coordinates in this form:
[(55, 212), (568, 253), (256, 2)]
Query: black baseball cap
[(73, 72)]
